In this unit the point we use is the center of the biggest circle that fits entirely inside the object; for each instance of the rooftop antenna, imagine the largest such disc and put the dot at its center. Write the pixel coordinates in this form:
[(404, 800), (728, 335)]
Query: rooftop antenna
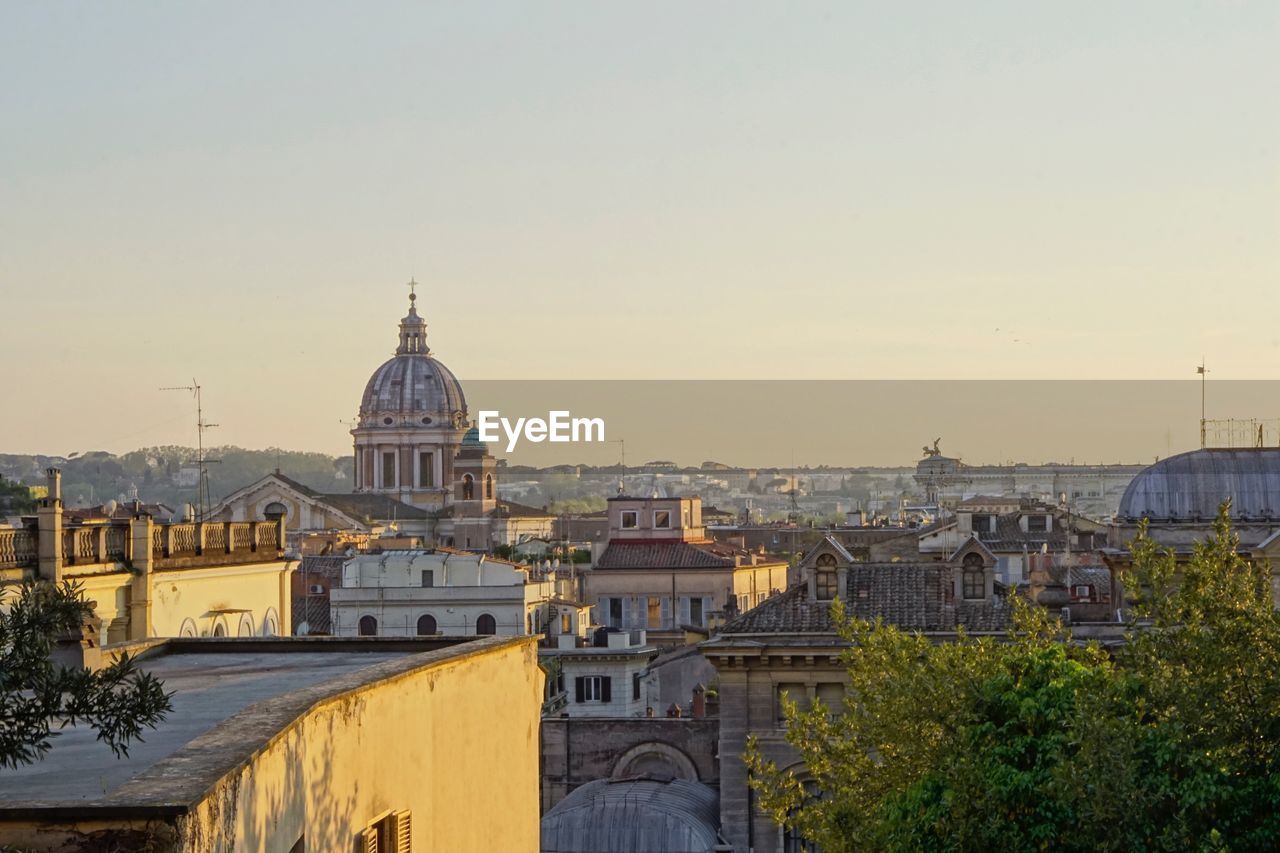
[(1203, 371), (202, 482)]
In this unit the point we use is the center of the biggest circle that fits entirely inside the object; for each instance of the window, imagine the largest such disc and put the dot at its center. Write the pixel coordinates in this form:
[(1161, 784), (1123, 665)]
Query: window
[(662, 519), (974, 584), (794, 691), (654, 612), (592, 688), (488, 487), (566, 624), (428, 578), (635, 687), (615, 612), (832, 697), (825, 577), (368, 626), (391, 833), (981, 523), (695, 611), (630, 519), (388, 470), (468, 487), (486, 624), (426, 625), (1084, 592), (1038, 523), (426, 470)]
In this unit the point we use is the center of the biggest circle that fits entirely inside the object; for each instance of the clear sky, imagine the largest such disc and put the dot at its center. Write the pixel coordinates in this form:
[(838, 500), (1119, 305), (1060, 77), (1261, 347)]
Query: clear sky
[(236, 192)]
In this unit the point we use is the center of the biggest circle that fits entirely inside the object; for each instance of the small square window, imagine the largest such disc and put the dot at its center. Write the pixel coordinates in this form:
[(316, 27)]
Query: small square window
[(662, 519), (630, 519), (428, 578)]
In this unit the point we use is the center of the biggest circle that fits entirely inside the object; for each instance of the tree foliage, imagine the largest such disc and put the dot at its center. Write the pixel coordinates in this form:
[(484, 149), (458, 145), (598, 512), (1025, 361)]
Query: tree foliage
[(36, 695), (1171, 742)]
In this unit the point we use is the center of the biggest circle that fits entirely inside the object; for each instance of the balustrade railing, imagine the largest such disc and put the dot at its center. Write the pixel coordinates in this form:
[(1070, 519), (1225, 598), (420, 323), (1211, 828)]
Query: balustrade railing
[(117, 543), (215, 538), (241, 536), (17, 548), (266, 535), (182, 539)]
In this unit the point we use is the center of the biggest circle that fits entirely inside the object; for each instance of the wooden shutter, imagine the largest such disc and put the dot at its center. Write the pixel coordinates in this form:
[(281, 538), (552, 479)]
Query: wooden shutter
[(579, 689), (664, 611), (605, 682), (369, 839), (685, 617), (404, 832)]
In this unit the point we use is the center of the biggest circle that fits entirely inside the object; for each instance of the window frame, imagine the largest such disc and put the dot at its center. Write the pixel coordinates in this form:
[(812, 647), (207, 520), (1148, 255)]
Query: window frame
[(629, 514), (662, 512)]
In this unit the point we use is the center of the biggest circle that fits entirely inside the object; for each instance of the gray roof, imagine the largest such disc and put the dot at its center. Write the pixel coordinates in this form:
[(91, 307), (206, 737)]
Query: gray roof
[(917, 596), (1190, 486), (413, 385), (640, 815)]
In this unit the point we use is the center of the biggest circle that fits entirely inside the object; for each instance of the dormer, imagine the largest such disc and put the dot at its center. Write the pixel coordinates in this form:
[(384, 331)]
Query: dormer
[(825, 570), (974, 568)]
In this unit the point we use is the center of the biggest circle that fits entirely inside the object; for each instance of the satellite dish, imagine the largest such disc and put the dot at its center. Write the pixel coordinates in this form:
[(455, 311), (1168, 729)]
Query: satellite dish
[(109, 508)]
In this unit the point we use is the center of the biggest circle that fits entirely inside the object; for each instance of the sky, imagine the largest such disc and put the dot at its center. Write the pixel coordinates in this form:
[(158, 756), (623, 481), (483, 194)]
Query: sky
[(237, 192)]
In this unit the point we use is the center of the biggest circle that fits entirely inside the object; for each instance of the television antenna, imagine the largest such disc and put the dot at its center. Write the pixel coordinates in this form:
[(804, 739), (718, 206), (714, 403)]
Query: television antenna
[(202, 482)]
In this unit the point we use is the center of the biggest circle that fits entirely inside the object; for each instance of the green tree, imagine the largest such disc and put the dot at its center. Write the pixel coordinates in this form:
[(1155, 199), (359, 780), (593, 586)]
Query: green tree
[(1037, 743), (119, 700)]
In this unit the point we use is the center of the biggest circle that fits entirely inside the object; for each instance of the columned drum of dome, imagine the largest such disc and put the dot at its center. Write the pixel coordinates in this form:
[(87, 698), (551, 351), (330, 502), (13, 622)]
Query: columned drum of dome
[(413, 416)]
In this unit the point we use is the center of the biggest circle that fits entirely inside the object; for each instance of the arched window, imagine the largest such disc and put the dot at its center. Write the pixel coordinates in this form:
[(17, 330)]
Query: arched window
[(426, 625), (488, 487), (368, 626), (274, 510), (975, 580), (486, 624), (219, 630), (825, 575), (468, 487), (188, 629), (246, 625), (270, 623)]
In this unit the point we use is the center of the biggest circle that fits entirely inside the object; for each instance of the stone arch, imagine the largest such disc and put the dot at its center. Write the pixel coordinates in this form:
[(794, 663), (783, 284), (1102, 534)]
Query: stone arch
[(188, 628), (271, 623), (653, 757), (246, 625)]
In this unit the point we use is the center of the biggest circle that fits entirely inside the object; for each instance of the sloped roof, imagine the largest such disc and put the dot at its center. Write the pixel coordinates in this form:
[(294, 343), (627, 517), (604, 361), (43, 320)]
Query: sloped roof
[(629, 815), (511, 509), (917, 596), (672, 555), (372, 507)]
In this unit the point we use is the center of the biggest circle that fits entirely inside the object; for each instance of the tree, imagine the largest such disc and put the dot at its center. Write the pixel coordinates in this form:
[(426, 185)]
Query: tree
[(119, 700), (1171, 743)]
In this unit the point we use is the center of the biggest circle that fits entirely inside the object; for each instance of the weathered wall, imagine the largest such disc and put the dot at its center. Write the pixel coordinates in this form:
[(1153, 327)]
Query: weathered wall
[(577, 751), (456, 744)]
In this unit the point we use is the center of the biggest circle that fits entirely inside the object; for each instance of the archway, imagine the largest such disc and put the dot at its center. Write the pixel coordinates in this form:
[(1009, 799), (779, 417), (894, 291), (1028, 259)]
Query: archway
[(653, 758)]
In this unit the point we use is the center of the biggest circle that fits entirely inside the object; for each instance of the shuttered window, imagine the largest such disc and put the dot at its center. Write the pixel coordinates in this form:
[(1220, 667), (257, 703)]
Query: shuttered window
[(592, 688)]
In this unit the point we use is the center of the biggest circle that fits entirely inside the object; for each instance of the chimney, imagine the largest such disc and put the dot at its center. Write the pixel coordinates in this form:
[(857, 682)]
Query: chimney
[(699, 702), (54, 476)]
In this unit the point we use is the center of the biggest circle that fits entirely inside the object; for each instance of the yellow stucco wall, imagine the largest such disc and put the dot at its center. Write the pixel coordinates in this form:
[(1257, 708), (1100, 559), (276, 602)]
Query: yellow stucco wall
[(456, 744), (194, 594)]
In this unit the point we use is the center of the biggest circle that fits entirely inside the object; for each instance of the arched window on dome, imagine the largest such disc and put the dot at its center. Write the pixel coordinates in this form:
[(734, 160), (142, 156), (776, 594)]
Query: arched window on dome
[(488, 487), (468, 487)]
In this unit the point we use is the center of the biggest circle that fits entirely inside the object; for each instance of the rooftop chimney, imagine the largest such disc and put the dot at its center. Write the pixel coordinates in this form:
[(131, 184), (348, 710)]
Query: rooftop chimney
[(54, 476)]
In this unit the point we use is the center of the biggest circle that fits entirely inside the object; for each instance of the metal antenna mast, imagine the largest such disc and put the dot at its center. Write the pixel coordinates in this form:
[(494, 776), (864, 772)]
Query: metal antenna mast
[(202, 483), (1203, 371)]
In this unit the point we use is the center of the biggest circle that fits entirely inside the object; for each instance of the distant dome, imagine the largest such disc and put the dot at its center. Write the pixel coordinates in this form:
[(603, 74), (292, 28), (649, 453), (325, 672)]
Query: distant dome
[(413, 385), (472, 438), (623, 815), (1190, 486)]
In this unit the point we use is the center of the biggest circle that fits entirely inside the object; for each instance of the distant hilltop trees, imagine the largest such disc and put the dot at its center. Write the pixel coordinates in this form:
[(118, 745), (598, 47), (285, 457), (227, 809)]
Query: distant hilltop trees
[(166, 474)]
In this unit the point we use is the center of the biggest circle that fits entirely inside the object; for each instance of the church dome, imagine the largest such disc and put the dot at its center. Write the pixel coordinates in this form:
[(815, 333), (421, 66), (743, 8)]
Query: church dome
[(413, 387), (1190, 486)]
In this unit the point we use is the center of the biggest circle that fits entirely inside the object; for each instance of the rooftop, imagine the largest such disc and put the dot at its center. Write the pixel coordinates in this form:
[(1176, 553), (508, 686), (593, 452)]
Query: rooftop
[(230, 696)]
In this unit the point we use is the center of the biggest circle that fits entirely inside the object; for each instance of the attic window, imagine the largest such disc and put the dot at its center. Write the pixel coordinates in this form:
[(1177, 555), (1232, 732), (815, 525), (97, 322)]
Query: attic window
[(388, 421), (1037, 523), (825, 578), (630, 519), (662, 519)]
